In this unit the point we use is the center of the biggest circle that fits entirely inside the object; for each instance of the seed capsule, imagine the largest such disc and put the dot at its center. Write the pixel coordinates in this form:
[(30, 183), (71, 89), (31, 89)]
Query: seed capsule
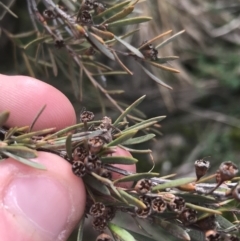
[(49, 14), (207, 223), (212, 235), (99, 223), (177, 204), (143, 186), (105, 173), (201, 168), (79, 153), (97, 209), (236, 193), (143, 212), (92, 162), (95, 144), (158, 205), (79, 168), (110, 213), (188, 216), (104, 237), (227, 171), (86, 116)]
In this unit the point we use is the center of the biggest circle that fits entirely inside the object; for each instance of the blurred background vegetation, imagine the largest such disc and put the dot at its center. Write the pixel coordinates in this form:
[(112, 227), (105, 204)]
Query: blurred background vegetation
[(202, 109)]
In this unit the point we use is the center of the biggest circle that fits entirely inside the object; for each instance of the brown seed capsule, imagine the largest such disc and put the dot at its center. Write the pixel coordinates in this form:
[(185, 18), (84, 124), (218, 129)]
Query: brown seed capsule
[(97, 209), (92, 162), (90, 51), (145, 199), (110, 213), (99, 7), (150, 52), (59, 43), (79, 153), (105, 173), (95, 144), (143, 186), (143, 212), (177, 204), (104, 237), (231, 237), (88, 5), (188, 216), (212, 235), (85, 17), (49, 14), (158, 205), (236, 193), (86, 116), (201, 167), (206, 223), (79, 168), (99, 223), (228, 171)]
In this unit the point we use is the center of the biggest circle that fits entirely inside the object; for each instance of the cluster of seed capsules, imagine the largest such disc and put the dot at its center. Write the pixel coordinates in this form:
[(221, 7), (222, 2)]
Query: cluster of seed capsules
[(85, 159), (85, 156)]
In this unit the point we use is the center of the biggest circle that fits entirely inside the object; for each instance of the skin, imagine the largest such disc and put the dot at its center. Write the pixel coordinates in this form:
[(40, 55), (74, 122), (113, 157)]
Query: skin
[(39, 205)]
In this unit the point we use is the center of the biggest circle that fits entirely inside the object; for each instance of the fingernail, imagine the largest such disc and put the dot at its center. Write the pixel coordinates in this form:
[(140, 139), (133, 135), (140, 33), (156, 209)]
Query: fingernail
[(42, 201)]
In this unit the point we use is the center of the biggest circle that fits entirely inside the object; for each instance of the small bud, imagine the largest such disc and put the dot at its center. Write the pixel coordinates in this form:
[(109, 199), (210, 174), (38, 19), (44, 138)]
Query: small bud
[(177, 204), (143, 212), (104, 237), (99, 223), (95, 144), (143, 186), (97, 209), (79, 153), (236, 193), (158, 205), (207, 223), (201, 168), (188, 216), (212, 235), (92, 162), (79, 168), (86, 116), (227, 171)]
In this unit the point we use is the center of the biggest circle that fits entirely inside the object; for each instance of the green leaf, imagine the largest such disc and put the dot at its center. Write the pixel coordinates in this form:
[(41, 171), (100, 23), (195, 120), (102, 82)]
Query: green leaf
[(114, 8), (100, 46), (129, 21), (223, 222), (120, 234), (24, 161), (80, 229), (144, 124), (162, 60), (135, 150), (169, 40), (188, 197), (120, 15), (196, 235), (155, 78), (138, 140), (131, 199), (137, 177), (124, 136), (96, 185), (69, 146), (203, 209), (20, 151), (35, 41), (174, 229), (130, 47), (129, 109), (119, 160), (174, 183), (141, 237), (3, 117)]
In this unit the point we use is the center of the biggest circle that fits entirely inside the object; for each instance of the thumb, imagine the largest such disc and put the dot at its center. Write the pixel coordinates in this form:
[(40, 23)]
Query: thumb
[(39, 205)]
